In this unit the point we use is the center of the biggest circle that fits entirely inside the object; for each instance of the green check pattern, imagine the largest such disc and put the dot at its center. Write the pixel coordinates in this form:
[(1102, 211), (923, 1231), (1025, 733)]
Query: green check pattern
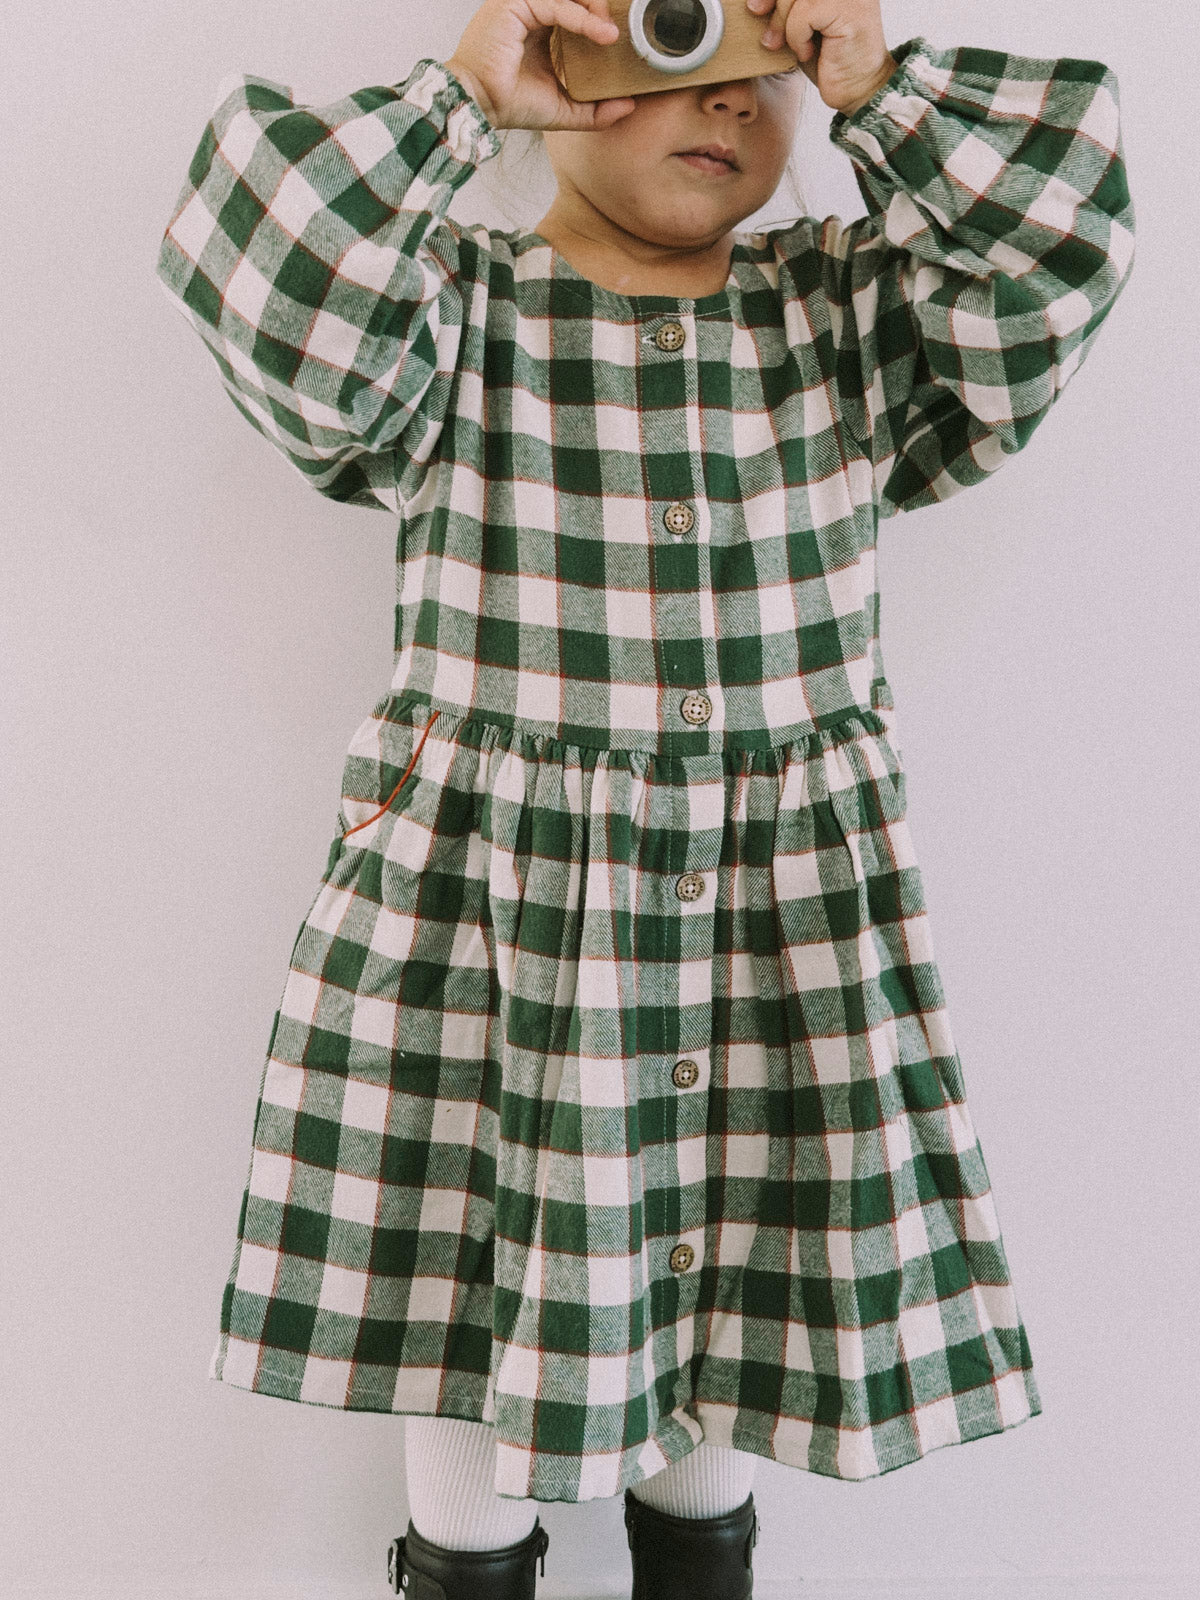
[(612, 1096)]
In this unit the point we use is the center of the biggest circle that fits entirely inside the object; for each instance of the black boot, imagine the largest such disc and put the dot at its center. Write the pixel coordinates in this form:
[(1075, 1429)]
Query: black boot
[(690, 1558), (423, 1570)]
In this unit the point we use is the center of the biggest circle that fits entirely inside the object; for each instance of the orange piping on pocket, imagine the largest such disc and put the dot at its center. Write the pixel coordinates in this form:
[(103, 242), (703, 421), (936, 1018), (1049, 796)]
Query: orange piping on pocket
[(386, 804)]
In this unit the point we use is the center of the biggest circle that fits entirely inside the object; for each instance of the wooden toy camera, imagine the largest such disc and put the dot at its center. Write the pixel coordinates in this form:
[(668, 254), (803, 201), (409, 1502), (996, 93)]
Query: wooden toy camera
[(665, 44)]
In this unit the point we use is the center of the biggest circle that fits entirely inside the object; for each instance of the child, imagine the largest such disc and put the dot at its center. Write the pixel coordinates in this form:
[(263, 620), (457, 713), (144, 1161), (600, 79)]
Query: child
[(612, 1128)]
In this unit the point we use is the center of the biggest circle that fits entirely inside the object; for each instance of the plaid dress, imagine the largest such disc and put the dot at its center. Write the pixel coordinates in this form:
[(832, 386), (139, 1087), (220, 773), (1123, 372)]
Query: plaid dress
[(611, 1097)]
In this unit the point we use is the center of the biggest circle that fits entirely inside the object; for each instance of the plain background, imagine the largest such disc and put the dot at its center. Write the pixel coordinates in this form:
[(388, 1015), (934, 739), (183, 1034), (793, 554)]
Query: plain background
[(191, 635)]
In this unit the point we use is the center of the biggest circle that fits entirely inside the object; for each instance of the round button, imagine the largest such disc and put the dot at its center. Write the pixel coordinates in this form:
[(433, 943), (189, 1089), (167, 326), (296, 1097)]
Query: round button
[(678, 518), (670, 336), (682, 1257), (685, 1074), (690, 886), (696, 706)]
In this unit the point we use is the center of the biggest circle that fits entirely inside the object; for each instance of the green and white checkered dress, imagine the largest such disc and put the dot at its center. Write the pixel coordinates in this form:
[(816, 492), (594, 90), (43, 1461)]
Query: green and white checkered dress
[(612, 1097)]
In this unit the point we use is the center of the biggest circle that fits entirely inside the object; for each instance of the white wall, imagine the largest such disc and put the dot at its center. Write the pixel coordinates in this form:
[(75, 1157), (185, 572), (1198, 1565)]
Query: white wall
[(190, 637)]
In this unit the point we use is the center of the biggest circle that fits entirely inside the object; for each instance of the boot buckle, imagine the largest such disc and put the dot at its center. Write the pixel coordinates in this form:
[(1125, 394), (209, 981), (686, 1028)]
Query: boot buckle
[(752, 1536), (543, 1544), (396, 1574)]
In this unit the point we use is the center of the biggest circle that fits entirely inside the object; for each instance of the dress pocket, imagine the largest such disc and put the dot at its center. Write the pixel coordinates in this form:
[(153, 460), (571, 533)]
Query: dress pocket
[(380, 769), (883, 767), (858, 782)]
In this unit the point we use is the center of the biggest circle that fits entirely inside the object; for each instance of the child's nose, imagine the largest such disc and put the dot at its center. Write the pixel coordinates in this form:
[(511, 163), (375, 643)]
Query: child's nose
[(740, 92)]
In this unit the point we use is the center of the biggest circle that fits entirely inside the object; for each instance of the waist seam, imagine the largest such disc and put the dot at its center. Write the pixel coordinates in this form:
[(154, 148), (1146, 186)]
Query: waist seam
[(449, 721)]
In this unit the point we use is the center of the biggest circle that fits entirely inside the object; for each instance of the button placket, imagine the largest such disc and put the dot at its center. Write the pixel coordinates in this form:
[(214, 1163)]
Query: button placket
[(686, 617), (680, 573), (698, 809)]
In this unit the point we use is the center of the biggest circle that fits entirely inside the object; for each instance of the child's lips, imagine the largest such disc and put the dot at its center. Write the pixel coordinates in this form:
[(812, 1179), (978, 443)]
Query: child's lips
[(704, 163)]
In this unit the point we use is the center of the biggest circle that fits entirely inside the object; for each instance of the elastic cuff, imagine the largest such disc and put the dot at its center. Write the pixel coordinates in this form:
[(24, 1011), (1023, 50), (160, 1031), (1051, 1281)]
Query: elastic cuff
[(486, 138), (902, 81)]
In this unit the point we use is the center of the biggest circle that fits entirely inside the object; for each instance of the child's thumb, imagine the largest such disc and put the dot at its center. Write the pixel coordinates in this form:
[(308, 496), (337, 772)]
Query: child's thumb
[(591, 116), (610, 111)]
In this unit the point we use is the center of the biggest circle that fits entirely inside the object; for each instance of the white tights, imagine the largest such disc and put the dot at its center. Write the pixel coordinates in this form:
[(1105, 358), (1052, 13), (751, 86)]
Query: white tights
[(451, 1464)]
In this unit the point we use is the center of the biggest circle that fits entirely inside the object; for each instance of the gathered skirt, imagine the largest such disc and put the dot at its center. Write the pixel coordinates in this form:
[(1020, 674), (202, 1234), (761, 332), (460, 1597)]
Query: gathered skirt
[(612, 1099)]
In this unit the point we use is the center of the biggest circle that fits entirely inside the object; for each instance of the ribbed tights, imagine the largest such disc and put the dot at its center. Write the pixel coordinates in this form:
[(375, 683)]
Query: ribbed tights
[(451, 1467)]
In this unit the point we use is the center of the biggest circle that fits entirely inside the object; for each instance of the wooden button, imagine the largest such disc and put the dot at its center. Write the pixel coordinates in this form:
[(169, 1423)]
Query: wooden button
[(682, 1257), (696, 706), (679, 518), (690, 886), (685, 1074), (670, 336)]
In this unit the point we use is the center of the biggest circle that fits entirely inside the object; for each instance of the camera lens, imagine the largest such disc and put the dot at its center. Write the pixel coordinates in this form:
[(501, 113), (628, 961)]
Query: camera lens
[(675, 27), (676, 36)]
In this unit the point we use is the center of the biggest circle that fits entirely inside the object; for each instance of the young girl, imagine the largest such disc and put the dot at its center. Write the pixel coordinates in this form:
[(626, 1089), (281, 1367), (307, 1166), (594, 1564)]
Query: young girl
[(612, 1128)]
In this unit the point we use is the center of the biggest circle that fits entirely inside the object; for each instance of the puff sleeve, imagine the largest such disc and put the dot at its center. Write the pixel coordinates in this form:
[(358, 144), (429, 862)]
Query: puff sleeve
[(310, 251), (1000, 234)]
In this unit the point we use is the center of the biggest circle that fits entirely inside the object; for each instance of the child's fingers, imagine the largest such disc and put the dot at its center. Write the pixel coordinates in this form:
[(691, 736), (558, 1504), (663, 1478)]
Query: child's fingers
[(798, 37), (577, 16), (588, 17)]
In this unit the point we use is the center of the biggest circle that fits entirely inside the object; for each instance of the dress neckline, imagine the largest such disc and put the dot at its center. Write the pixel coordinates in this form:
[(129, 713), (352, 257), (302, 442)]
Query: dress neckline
[(563, 272)]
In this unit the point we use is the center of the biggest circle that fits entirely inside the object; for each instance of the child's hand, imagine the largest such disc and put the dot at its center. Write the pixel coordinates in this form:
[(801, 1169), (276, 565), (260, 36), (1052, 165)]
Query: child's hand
[(503, 60), (852, 60)]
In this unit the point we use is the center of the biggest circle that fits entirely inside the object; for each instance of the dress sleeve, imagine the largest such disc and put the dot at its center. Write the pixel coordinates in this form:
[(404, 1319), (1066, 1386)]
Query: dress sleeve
[(309, 250), (1000, 234)]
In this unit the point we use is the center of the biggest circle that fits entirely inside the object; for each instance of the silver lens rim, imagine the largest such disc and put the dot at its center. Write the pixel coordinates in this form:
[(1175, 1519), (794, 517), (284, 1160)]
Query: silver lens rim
[(714, 14)]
